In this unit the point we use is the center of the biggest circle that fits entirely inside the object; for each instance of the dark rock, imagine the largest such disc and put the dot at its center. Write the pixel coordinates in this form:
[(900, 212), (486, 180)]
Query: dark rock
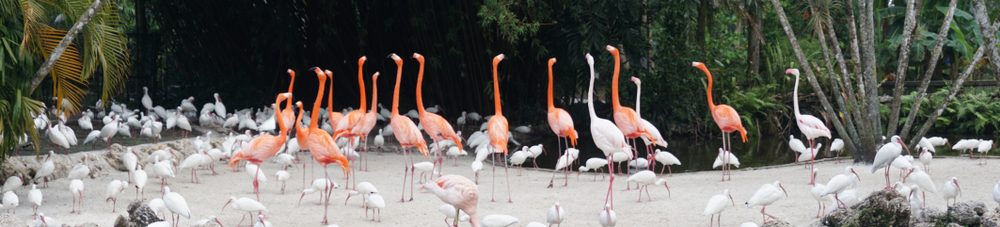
[(122, 221), (881, 208), (777, 223), (925, 224), (140, 214), (966, 213)]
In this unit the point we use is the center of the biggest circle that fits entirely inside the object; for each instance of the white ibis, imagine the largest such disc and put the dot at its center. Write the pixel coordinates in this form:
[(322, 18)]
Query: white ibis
[(666, 159), (146, 101), (194, 161), (424, 167), (76, 188), (163, 154), (376, 203), (904, 163), (85, 123), (46, 169), (716, 205), (108, 131), (797, 146), (112, 191), (926, 143), (984, 148), (608, 218), (163, 169), (220, 109), (518, 159), (901, 188), (10, 201), (839, 183), (131, 159), (321, 184), (158, 207), (499, 220), (245, 205), (282, 176), (57, 137), (639, 163), (210, 219), (949, 191), (817, 191), (183, 123), (35, 198), (996, 192), (925, 158), (564, 161), (966, 144), (594, 163), (645, 178), (263, 223), (92, 136), (140, 183), (455, 152), (12, 182), (380, 140), (722, 160), (362, 188), (556, 215), (607, 136), (534, 152), (449, 212), (80, 170), (916, 199), (922, 179), (767, 195), (42, 220), (886, 154), (176, 204), (939, 141), (837, 146)]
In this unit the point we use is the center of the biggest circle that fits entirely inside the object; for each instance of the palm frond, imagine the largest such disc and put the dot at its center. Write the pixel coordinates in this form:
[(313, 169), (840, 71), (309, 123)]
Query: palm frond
[(67, 79), (106, 47)]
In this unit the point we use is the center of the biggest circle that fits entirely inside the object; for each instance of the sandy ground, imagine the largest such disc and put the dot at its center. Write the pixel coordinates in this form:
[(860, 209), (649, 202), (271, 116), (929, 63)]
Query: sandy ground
[(582, 200)]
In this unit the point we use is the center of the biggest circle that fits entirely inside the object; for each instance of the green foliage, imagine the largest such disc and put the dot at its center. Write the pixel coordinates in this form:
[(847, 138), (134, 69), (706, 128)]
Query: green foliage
[(16, 108), (976, 111), (510, 26)]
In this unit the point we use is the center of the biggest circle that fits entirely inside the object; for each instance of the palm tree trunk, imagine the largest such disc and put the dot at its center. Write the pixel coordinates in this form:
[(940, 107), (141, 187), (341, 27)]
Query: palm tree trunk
[(989, 36), (904, 60), (58, 51), (929, 71)]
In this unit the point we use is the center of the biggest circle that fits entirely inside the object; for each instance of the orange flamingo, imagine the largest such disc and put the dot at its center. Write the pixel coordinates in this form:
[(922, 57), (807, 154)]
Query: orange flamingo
[(321, 145), (288, 115), (625, 118), (561, 123), (368, 121), (434, 125), (498, 131), (264, 146), (405, 130), (726, 117), (344, 128)]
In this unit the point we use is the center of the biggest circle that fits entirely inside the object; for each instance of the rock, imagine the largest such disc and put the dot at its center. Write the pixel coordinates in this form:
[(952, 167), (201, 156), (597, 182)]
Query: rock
[(122, 221), (140, 214), (925, 224), (777, 223), (88, 224), (927, 214), (115, 157), (953, 225), (881, 208), (966, 213), (11, 220)]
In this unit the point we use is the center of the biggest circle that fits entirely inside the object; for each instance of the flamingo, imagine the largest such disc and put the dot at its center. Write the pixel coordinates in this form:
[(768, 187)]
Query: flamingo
[(346, 126), (369, 120), (767, 195), (405, 130), (887, 154), (264, 146), (716, 205), (459, 192), (810, 126), (949, 191), (725, 116), (840, 183), (627, 120), (606, 135), (655, 138), (434, 125), (560, 121), (288, 114), (497, 130), (321, 145)]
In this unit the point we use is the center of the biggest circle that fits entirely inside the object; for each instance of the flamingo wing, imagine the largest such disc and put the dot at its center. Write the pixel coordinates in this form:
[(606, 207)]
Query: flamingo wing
[(407, 134), (728, 120), (811, 126), (439, 128), (498, 133), (628, 122)]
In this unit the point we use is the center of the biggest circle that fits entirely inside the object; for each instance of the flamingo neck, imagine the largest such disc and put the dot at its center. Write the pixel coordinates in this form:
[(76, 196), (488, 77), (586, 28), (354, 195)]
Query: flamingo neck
[(299, 133), (395, 93), (281, 126), (329, 102), (420, 94), (614, 82), (711, 103), (314, 118), (361, 84), (374, 93), (496, 90), (795, 96), (590, 95), (291, 85), (638, 93), (551, 106)]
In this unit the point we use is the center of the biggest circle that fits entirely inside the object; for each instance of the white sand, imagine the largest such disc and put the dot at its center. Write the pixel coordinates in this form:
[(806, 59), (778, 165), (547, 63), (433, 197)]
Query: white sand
[(583, 199)]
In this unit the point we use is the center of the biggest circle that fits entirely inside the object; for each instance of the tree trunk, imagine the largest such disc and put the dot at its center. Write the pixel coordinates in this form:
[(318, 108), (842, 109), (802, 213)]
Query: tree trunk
[(928, 73), (868, 73), (989, 36), (848, 142), (753, 52), (837, 95), (58, 51), (955, 87), (852, 102), (904, 60)]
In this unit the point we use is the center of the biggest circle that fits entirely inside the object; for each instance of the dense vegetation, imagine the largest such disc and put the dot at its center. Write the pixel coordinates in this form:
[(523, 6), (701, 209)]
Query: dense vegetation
[(241, 49)]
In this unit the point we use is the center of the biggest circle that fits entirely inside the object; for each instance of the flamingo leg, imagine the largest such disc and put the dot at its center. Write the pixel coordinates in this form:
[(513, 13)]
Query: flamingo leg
[(506, 174), (327, 190), (494, 186), (561, 153), (412, 172), (406, 170), (611, 183)]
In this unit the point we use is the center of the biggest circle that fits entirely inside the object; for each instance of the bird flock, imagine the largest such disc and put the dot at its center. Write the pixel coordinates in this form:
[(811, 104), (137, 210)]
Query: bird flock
[(341, 138)]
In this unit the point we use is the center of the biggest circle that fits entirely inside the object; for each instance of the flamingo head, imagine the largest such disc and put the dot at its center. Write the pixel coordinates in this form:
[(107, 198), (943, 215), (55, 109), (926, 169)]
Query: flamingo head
[(498, 58), (636, 80), (552, 61), (291, 73), (613, 50), (319, 73), (590, 59), (792, 71), (420, 58), (328, 74), (399, 61), (144, 89), (362, 60), (375, 77)]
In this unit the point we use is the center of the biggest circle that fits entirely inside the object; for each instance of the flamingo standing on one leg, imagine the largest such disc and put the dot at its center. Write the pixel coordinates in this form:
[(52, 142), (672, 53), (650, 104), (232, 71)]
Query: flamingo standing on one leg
[(321, 144), (725, 116), (625, 118), (434, 125), (497, 130), (810, 126), (264, 146), (405, 130), (606, 135), (560, 122)]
